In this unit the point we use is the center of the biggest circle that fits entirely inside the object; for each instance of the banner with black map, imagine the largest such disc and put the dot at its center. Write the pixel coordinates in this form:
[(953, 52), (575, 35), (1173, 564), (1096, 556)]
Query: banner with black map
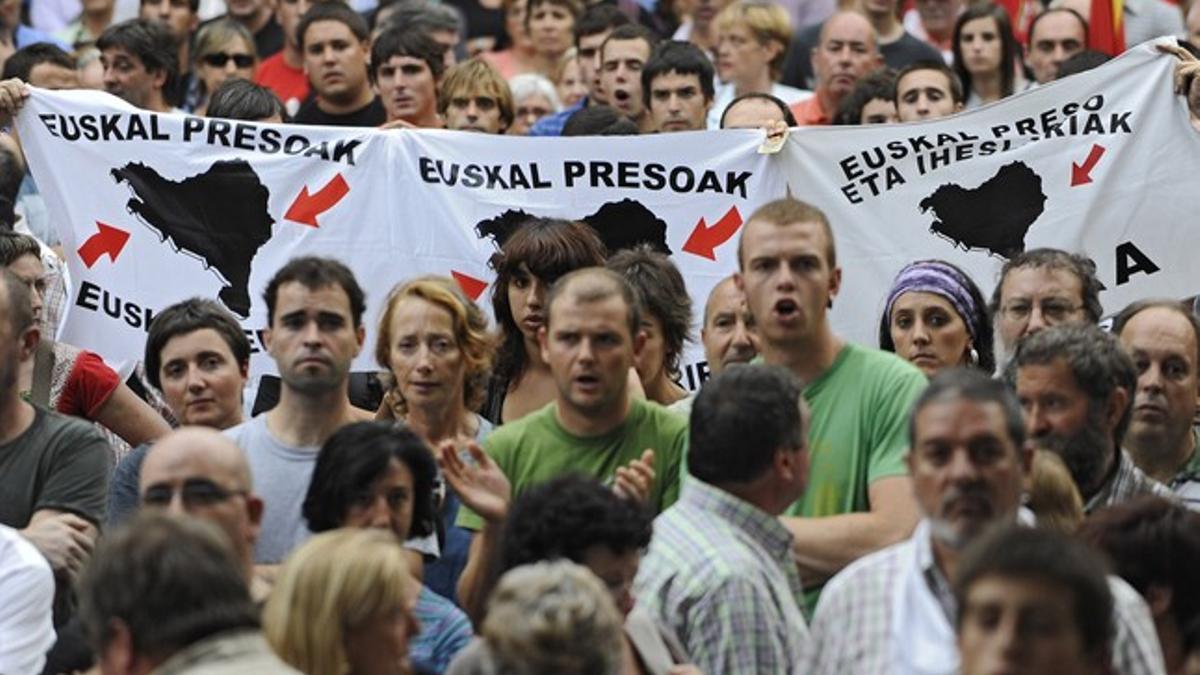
[(157, 208), (1104, 163), (154, 208)]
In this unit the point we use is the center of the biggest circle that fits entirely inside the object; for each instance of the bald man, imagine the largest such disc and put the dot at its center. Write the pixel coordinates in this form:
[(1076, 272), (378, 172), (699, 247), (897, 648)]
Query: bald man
[(200, 472), (846, 52), (728, 334)]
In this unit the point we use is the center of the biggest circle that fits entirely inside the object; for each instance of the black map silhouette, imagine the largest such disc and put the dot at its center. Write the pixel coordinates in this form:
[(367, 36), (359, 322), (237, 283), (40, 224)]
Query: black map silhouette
[(219, 217), (619, 225), (994, 216)]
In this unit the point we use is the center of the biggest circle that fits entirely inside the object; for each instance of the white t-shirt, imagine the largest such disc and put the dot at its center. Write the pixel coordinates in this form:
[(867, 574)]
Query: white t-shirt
[(26, 612)]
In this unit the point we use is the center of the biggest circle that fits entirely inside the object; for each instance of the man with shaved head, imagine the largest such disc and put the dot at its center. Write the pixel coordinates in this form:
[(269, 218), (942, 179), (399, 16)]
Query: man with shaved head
[(200, 472), (728, 334), (593, 427), (846, 52), (859, 497)]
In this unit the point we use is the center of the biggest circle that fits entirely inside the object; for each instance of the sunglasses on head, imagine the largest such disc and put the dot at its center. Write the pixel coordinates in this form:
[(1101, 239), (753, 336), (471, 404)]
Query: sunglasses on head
[(219, 59), (193, 492)]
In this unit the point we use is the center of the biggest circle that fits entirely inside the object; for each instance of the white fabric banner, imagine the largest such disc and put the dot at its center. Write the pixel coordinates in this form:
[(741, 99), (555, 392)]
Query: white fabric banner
[(1104, 163), (155, 208)]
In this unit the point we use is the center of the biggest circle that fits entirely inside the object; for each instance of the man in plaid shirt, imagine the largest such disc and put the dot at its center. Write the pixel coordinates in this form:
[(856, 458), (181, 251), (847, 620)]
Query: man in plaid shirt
[(892, 611), (719, 572)]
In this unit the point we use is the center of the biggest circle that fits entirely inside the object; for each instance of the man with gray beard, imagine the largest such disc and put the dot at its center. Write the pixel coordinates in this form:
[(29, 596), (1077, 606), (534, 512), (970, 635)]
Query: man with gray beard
[(892, 611), (1076, 386)]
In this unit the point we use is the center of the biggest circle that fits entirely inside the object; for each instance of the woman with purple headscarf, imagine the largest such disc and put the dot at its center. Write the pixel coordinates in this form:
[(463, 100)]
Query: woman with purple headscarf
[(935, 317)]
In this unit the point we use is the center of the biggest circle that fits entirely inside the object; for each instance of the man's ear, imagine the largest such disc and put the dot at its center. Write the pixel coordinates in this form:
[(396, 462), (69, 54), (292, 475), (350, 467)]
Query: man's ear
[(1118, 402), (835, 284), (29, 342), (789, 463), (160, 78), (639, 343), (117, 656)]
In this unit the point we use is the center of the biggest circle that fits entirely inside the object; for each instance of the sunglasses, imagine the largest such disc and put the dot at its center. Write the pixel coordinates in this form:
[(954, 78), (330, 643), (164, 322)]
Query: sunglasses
[(219, 60), (194, 492)]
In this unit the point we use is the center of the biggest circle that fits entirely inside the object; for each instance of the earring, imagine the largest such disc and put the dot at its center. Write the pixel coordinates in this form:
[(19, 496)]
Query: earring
[(973, 357)]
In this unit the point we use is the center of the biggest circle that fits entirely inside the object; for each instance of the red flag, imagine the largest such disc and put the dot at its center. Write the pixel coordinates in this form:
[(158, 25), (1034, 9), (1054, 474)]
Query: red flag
[(1106, 27)]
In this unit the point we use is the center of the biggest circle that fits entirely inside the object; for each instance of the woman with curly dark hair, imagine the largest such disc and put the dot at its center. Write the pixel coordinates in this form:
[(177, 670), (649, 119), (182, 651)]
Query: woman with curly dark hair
[(378, 475), (539, 252)]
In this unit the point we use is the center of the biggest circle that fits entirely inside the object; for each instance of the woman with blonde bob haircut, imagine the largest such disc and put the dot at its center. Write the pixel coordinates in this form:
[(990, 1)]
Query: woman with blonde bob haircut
[(752, 43), (436, 349), (343, 605)]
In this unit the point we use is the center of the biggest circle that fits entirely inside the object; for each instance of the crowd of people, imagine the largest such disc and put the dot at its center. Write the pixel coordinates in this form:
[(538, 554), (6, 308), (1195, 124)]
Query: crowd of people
[(1005, 483)]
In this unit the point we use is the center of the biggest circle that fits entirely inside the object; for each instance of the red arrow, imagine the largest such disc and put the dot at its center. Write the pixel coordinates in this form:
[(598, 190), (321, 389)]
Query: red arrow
[(1081, 175), (307, 207), (704, 240), (108, 241), (470, 285)]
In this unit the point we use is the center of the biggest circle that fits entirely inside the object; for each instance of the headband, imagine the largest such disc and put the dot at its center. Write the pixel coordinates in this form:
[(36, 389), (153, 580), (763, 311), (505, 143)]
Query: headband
[(940, 279)]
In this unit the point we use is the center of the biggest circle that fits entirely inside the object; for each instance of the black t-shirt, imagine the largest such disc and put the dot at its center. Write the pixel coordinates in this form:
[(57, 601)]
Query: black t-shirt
[(60, 463), (370, 115), (269, 39), (480, 21)]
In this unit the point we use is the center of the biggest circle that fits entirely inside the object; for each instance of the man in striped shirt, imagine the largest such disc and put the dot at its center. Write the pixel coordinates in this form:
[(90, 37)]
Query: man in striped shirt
[(719, 572)]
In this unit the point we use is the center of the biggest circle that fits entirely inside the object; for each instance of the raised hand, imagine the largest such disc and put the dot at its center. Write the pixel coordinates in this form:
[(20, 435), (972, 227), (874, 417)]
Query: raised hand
[(635, 480), (478, 481)]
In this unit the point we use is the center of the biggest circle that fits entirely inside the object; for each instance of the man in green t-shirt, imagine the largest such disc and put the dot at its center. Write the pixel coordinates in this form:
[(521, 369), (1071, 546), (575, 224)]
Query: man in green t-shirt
[(859, 497), (593, 427)]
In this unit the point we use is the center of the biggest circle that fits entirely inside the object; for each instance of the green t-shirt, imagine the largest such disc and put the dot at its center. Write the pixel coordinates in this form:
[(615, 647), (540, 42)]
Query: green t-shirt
[(858, 433), (536, 449)]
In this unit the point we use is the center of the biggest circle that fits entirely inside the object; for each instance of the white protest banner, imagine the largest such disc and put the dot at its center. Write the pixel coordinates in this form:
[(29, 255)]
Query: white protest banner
[(157, 208), (1103, 163), (154, 208)]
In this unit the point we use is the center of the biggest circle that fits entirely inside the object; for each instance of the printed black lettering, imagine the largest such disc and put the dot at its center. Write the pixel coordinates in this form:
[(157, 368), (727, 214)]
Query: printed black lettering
[(601, 172), (572, 170), (1131, 260), (736, 183), (425, 166), (89, 293)]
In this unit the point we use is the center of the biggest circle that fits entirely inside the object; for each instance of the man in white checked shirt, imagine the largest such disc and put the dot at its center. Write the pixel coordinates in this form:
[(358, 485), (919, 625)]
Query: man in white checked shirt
[(892, 611)]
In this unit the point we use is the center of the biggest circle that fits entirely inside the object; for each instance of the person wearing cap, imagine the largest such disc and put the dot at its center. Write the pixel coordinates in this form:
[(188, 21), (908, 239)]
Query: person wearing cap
[(935, 317)]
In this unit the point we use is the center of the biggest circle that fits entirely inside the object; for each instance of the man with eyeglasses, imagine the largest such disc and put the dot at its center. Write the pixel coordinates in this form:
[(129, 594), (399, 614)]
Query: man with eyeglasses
[(1042, 288), (200, 473)]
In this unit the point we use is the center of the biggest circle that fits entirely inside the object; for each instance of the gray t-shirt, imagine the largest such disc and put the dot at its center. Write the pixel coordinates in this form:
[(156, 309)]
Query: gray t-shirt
[(281, 475), (59, 462)]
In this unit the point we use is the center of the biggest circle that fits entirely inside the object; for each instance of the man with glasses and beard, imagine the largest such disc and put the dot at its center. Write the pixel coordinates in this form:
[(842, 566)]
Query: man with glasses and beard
[(1076, 386)]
